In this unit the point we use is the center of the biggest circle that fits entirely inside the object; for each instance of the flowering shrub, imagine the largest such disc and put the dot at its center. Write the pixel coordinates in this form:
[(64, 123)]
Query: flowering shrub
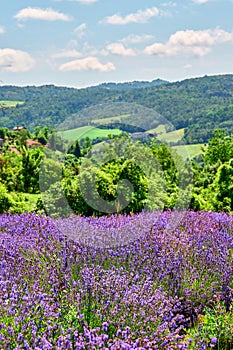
[(59, 293), (214, 329)]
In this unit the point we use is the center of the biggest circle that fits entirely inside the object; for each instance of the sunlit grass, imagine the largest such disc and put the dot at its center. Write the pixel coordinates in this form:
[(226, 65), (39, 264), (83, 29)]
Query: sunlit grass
[(87, 131), (9, 103)]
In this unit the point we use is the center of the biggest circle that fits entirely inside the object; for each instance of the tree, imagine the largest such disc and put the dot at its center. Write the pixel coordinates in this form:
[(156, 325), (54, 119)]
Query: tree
[(220, 148), (223, 187), (121, 177), (21, 137), (31, 160), (3, 133), (75, 149), (11, 170), (5, 199)]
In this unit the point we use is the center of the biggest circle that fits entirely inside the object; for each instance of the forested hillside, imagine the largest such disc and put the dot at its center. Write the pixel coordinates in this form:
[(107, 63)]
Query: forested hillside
[(131, 85), (199, 105)]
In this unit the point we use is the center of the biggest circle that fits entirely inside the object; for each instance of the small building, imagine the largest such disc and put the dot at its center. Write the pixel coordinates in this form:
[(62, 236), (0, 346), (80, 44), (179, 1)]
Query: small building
[(32, 143), (140, 134), (14, 150), (19, 128)]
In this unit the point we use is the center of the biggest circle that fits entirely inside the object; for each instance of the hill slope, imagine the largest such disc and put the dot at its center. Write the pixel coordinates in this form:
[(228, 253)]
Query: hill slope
[(199, 105), (131, 85)]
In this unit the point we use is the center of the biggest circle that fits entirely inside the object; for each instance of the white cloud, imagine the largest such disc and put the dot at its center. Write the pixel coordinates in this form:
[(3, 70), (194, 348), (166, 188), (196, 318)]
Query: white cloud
[(119, 49), (200, 1), (136, 39), (192, 38), (41, 14), (141, 16), (67, 54), (159, 49), (80, 30), (87, 64), (197, 42), (2, 30), (15, 60)]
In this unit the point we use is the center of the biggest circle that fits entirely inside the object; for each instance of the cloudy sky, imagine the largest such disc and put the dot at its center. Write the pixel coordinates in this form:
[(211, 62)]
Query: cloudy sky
[(85, 42)]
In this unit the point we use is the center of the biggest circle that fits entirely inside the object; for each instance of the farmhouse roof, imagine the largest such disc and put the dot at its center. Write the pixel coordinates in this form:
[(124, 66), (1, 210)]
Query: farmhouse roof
[(15, 150), (31, 143), (18, 128)]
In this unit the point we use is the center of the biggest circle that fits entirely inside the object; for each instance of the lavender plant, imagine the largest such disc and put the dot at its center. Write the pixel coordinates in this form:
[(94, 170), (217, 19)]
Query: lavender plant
[(152, 291)]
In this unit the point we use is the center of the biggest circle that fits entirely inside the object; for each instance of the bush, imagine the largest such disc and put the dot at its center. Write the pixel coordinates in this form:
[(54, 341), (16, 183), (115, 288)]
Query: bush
[(5, 199)]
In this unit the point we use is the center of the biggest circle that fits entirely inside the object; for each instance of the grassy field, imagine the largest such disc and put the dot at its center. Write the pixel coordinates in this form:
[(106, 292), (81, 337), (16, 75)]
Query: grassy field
[(173, 136), (186, 151), (87, 131), (8, 103), (189, 151), (158, 130)]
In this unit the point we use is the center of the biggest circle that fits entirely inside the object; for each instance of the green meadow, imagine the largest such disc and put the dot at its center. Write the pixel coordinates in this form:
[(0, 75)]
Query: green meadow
[(87, 131), (159, 130), (189, 151), (9, 103), (173, 136)]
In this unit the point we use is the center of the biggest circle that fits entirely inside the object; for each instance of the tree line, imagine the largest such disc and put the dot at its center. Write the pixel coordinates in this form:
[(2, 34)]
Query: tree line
[(62, 178)]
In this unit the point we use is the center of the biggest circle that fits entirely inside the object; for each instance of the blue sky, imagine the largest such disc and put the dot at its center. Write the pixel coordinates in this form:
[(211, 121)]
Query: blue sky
[(80, 43)]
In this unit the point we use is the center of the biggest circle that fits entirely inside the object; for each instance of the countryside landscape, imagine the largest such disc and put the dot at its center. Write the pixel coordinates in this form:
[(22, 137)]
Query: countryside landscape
[(81, 249)]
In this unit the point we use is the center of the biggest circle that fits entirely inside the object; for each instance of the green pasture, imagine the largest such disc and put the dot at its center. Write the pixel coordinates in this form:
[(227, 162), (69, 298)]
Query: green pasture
[(173, 136), (160, 129), (189, 151), (186, 151), (8, 103), (87, 131), (162, 135)]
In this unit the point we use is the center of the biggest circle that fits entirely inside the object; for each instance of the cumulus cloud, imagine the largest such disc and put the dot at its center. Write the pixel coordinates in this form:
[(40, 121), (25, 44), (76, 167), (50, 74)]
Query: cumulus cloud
[(87, 64), (15, 60), (41, 14), (141, 16), (80, 30), (119, 49), (136, 39), (198, 43), (2, 30)]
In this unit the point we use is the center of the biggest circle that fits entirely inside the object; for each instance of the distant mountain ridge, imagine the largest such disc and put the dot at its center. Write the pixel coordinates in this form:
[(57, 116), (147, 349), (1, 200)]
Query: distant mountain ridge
[(131, 85)]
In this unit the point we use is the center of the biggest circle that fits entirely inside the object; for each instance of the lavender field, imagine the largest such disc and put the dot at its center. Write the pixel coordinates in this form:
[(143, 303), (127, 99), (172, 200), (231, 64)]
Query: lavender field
[(168, 288)]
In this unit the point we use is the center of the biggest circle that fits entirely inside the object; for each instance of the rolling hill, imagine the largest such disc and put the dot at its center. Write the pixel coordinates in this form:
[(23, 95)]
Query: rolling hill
[(196, 105)]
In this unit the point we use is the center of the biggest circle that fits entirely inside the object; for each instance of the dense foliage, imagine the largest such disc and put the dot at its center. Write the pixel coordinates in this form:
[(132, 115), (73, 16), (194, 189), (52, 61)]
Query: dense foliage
[(213, 177), (199, 105), (61, 177)]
